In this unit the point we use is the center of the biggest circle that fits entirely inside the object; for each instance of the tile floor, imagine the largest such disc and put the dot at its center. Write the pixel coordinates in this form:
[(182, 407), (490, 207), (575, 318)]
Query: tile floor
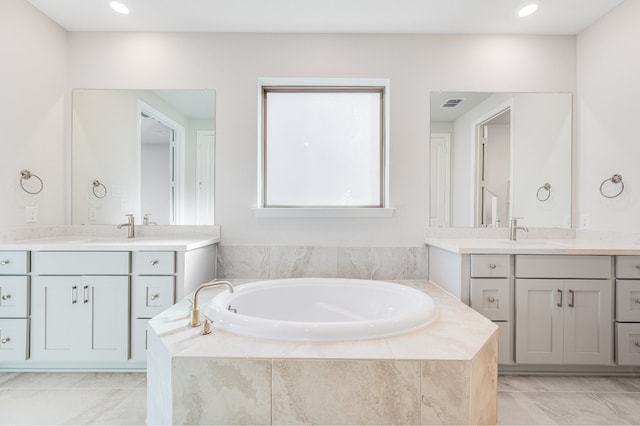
[(119, 399)]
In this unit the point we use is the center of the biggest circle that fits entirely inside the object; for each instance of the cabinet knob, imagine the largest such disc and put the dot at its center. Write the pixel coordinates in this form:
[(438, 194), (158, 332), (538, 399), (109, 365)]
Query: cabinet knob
[(637, 266), (637, 300), (154, 296), (637, 344), (4, 262), (492, 266), (5, 340), (154, 262), (8, 296), (491, 299)]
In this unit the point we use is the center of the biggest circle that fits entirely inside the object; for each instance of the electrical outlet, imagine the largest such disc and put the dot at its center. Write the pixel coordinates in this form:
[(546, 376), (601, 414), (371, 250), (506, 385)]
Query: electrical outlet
[(32, 214), (585, 221), (92, 213)]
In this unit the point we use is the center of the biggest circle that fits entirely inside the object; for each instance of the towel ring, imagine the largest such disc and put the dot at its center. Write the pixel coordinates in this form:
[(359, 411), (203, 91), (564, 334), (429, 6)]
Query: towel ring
[(98, 184), (26, 175), (614, 179), (545, 187)]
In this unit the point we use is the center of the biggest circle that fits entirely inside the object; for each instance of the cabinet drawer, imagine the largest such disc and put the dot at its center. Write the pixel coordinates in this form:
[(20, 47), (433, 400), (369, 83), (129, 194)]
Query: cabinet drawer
[(80, 262), (489, 265), (139, 339), (628, 343), (628, 300), (563, 266), (14, 336), (628, 266), (505, 343), (14, 297), (154, 262), (152, 295), (14, 262), (491, 297)]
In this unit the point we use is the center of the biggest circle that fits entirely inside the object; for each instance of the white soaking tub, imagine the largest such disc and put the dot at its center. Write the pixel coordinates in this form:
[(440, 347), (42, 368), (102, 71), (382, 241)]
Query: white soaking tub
[(322, 309)]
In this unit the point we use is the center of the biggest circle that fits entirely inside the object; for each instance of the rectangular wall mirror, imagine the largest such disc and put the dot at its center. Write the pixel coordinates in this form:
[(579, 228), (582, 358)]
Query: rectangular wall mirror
[(495, 156), (146, 152)]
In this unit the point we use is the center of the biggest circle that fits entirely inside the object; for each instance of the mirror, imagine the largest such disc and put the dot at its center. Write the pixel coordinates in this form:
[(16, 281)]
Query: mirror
[(146, 152), (494, 156)]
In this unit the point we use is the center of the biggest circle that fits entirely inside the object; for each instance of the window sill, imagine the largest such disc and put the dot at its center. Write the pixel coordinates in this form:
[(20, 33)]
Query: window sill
[(327, 212)]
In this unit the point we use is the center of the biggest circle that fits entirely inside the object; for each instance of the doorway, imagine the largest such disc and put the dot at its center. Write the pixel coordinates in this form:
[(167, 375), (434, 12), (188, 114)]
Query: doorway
[(493, 147), (160, 188)]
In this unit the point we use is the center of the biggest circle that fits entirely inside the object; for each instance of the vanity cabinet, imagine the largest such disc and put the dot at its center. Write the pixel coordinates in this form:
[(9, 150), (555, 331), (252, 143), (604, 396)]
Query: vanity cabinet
[(14, 305), (562, 317), (627, 325), (80, 306), (491, 295)]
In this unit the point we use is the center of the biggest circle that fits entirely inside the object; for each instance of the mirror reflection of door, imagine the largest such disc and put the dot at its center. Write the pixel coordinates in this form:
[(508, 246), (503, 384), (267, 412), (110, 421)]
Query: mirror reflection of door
[(494, 152), (158, 179), (440, 180)]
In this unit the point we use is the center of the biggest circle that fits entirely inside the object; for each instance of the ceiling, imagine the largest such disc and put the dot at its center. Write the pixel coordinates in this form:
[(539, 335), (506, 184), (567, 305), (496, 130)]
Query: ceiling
[(555, 17)]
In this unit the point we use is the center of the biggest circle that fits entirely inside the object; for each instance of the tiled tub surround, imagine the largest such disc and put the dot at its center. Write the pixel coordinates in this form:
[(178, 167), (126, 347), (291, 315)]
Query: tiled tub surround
[(443, 374), (271, 262)]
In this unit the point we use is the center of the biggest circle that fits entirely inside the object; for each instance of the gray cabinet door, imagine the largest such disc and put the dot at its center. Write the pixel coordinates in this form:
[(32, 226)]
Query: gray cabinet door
[(539, 321), (588, 322)]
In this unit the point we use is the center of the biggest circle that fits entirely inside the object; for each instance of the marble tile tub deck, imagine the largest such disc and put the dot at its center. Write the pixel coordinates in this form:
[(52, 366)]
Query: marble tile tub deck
[(443, 374), (119, 399)]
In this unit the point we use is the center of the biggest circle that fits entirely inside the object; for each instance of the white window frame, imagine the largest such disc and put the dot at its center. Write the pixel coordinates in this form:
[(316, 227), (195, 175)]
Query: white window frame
[(378, 211)]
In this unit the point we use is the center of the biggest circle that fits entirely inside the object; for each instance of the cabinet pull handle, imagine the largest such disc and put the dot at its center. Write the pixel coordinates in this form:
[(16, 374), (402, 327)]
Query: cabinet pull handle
[(85, 293), (637, 300), (4, 262), (154, 262), (154, 296), (5, 340), (492, 266), (637, 344), (637, 266), (560, 303), (74, 294), (573, 296), (6, 296), (491, 299)]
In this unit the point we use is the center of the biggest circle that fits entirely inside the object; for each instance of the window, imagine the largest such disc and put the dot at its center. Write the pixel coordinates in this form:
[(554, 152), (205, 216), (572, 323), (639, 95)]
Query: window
[(323, 145)]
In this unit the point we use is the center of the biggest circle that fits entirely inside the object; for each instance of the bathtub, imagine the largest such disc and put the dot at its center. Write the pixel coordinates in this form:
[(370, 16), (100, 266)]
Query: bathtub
[(321, 309)]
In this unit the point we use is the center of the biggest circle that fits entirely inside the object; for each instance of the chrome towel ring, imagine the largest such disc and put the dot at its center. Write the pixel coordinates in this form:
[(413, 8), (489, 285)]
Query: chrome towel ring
[(26, 175), (541, 194), (97, 184), (616, 179)]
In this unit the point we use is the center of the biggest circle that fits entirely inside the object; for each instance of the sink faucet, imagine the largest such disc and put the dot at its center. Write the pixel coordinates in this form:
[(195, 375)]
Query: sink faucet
[(146, 221), (195, 312), (513, 228), (131, 224)]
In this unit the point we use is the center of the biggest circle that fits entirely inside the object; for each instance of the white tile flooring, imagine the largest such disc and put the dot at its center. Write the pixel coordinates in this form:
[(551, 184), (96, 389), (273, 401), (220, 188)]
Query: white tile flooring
[(119, 399)]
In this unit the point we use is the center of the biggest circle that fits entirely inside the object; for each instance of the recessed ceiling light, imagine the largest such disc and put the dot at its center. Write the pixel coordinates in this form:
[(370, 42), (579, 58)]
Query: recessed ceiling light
[(119, 7), (528, 9)]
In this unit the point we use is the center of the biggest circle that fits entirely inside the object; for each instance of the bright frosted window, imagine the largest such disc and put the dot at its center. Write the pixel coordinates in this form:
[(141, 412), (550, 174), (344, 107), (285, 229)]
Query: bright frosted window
[(323, 147)]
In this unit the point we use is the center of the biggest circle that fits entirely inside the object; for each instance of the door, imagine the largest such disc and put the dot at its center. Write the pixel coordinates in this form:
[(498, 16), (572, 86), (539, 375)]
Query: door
[(58, 329), (204, 177), (440, 180), (588, 322), (107, 299), (539, 334)]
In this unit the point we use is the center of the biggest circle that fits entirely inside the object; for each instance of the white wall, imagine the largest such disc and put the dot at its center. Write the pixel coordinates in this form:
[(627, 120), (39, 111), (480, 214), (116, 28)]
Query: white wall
[(232, 63), (609, 118), (33, 93)]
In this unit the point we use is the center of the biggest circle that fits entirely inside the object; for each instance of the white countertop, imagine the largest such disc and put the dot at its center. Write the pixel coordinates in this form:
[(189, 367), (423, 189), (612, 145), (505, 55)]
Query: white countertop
[(458, 333), (97, 243), (526, 246)]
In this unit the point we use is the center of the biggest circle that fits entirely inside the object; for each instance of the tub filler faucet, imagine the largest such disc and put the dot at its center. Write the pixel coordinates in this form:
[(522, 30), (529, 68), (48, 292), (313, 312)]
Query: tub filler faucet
[(513, 228), (195, 311), (131, 226)]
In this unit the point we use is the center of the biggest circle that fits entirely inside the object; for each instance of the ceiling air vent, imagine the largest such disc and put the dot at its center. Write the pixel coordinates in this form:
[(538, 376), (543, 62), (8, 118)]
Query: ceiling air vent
[(452, 103)]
